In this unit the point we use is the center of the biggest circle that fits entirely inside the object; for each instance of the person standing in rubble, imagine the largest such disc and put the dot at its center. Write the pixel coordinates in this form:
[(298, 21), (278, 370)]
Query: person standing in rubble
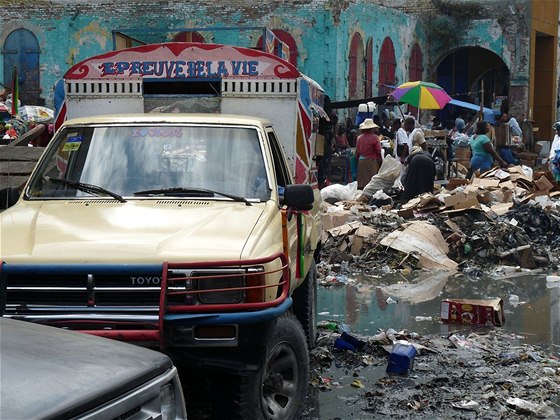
[(368, 152), (402, 146), (554, 155), (483, 153), (415, 134)]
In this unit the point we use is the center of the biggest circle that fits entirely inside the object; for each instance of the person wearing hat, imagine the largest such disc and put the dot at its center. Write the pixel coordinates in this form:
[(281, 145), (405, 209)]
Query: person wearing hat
[(554, 148), (368, 152)]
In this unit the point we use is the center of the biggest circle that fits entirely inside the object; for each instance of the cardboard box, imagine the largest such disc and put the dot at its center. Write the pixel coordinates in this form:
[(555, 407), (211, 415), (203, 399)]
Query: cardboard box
[(544, 184), (473, 311), (334, 219)]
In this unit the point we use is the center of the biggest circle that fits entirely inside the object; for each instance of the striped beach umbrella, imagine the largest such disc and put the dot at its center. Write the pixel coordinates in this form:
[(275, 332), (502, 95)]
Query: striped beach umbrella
[(421, 95)]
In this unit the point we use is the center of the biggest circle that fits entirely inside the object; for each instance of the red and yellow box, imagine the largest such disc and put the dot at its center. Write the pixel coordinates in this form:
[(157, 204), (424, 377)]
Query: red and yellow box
[(473, 311)]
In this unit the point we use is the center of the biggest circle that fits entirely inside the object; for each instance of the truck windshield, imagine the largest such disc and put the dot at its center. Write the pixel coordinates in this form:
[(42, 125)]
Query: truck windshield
[(127, 159)]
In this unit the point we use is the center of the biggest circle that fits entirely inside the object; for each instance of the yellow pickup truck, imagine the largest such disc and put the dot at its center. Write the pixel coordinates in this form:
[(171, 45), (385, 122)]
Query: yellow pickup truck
[(183, 232)]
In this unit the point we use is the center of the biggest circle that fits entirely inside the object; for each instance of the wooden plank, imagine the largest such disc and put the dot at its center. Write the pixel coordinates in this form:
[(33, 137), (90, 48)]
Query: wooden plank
[(20, 153), (13, 181), (17, 168)]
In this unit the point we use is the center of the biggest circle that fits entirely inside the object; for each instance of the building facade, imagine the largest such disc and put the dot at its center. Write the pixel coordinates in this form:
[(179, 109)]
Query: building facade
[(501, 53)]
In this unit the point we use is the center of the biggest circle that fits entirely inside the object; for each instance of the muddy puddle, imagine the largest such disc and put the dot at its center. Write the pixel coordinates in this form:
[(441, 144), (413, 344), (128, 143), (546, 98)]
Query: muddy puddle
[(506, 380)]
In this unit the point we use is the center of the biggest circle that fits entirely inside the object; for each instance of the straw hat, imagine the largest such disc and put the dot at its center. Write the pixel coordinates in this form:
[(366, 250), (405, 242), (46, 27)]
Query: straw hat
[(367, 124)]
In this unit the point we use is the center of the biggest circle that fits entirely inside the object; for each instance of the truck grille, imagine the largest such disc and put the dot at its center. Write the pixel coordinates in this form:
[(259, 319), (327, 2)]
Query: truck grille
[(78, 291)]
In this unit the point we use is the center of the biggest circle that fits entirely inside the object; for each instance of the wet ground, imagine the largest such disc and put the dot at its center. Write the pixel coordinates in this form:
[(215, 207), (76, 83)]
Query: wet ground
[(449, 382)]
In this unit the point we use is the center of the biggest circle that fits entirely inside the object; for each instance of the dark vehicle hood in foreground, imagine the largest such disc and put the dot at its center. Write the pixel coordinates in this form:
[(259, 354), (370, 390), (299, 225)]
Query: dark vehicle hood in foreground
[(48, 371)]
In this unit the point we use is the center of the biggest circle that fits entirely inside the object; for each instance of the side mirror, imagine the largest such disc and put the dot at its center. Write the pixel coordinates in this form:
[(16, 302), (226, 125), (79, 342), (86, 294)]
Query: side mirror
[(8, 197), (299, 196)]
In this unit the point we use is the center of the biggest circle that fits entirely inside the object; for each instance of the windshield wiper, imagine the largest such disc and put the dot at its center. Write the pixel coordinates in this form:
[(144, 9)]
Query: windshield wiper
[(88, 188), (190, 192)]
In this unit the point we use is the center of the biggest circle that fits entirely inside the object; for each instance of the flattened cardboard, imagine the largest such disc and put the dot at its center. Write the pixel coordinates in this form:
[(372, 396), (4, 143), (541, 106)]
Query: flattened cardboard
[(507, 185), (501, 208), (362, 234), (425, 240), (456, 182), (473, 311), (544, 184), (406, 213), (486, 182), (334, 219), (344, 229)]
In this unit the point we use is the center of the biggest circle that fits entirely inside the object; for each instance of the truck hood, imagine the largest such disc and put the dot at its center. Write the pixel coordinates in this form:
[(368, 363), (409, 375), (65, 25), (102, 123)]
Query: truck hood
[(140, 231)]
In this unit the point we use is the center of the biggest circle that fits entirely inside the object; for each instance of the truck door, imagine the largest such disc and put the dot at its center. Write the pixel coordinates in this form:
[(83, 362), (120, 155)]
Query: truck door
[(298, 247)]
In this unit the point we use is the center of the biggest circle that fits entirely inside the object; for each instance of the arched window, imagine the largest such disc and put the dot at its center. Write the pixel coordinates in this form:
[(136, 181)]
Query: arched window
[(387, 66), (21, 51), (287, 39), (356, 68), (369, 68), (415, 67), (188, 37)]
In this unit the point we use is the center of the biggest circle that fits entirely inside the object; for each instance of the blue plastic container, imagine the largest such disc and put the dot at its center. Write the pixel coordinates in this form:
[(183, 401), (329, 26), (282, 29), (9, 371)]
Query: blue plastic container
[(401, 359)]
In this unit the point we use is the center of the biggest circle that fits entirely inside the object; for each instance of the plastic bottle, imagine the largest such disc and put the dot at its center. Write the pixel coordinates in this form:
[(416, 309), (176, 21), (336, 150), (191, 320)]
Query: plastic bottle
[(514, 300), (423, 318), (329, 325), (344, 328)]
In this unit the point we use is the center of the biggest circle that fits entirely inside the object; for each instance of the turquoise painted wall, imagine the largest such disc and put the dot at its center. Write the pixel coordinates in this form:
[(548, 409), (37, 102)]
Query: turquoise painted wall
[(322, 31)]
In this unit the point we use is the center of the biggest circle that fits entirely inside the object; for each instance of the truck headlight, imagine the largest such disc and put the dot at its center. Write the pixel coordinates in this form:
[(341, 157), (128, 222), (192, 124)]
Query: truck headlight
[(216, 286), (168, 402), (221, 294)]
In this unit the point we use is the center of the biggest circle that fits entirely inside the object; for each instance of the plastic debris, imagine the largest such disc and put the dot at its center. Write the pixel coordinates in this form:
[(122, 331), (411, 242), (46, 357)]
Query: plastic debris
[(423, 318), (348, 342), (514, 300), (466, 405), (401, 359), (527, 407), (356, 383)]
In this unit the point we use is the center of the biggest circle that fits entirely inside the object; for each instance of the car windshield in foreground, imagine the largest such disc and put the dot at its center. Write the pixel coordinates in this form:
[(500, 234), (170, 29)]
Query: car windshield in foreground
[(122, 160), (189, 192)]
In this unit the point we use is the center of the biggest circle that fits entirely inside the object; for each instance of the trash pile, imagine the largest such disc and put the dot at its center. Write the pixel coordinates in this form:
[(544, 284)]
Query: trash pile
[(486, 373), (505, 216), (27, 118)]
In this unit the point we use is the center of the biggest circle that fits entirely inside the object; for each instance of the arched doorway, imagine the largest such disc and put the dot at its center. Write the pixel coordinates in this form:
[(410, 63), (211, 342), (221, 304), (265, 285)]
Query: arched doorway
[(464, 72), (387, 66), (356, 68), (287, 39), (21, 50)]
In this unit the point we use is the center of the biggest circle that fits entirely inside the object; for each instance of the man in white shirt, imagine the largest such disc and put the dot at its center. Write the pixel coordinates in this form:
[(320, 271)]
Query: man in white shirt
[(401, 141), (554, 164), (555, 142)]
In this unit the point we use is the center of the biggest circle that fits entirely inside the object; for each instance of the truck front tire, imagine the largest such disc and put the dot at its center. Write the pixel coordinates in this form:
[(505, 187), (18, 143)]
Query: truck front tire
[(305, 305), (278, 390)]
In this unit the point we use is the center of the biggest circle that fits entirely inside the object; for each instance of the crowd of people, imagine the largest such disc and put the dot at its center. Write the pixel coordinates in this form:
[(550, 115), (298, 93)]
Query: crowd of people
[(363, 144)]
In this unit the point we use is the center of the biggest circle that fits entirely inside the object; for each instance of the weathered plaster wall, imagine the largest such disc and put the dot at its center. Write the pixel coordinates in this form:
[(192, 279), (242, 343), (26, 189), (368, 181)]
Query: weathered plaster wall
[(72, 30)]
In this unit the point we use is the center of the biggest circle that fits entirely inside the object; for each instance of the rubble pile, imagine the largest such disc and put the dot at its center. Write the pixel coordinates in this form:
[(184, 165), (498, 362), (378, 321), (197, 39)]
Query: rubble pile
[(505, 216), (485, 374)]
